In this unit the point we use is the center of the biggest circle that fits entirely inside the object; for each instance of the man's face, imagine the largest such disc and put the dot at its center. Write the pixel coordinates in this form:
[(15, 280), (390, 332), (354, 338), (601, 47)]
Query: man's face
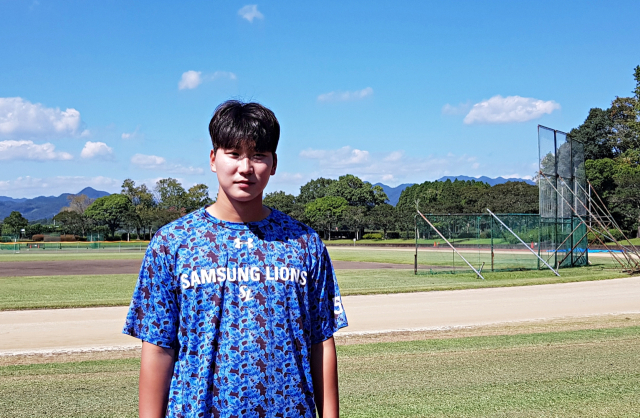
[(243, 173)]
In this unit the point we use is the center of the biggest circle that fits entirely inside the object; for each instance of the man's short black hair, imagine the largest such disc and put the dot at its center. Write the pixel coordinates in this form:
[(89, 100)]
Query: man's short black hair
[(237, 125)]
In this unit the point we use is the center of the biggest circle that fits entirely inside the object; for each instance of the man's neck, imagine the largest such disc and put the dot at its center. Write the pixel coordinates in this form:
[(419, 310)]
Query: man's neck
[(235, 211)]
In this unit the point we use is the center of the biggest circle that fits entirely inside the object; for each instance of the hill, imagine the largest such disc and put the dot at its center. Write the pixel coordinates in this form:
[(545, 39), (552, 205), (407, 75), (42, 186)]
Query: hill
[(394, 192), (485, 179), (42, 207)]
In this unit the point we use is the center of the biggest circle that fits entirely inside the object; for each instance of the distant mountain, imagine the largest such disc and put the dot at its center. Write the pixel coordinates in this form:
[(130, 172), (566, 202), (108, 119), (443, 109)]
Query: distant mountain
[(42, 207), (485, 179), (394, 192)]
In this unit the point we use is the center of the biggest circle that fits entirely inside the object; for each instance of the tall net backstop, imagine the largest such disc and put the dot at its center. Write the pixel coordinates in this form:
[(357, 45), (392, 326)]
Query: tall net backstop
[(554, 238)]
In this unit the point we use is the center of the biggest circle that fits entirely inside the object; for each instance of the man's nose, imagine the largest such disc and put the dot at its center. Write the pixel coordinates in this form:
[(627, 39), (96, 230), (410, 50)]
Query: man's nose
[(245, 165)]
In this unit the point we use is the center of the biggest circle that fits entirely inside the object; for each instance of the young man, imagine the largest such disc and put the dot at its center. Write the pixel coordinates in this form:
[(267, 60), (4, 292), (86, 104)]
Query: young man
[(236, 303)]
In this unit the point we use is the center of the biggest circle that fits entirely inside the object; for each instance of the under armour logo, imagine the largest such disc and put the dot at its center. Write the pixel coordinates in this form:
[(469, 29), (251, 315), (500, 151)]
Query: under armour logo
[(237, 243)]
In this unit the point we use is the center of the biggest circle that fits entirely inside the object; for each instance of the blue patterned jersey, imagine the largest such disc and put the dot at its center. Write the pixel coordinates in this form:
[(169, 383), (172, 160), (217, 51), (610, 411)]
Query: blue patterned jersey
[(241, 303)]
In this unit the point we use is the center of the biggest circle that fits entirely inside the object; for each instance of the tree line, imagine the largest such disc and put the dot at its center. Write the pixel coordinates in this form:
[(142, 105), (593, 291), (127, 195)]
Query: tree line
[(347, 206), (136, 209), (611, 139)]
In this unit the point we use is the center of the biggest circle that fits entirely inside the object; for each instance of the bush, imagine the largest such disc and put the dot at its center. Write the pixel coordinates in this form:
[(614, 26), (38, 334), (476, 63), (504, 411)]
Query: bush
[(372, 235), (37, 237), (67, 238), (485, 234), (592, 238), (393, 235)]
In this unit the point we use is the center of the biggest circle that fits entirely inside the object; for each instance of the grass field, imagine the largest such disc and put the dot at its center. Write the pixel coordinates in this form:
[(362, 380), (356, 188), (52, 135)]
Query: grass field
[(116, 289), (427, 256), (502, 259), (586, 373), (62, 256)]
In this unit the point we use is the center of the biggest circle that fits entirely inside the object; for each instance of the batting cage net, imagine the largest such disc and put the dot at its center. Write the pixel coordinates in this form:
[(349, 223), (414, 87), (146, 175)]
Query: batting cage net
[(554, 238), (488, 242), (563, 200)]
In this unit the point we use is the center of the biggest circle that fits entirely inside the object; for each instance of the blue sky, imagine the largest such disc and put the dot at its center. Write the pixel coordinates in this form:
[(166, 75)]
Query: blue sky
[(92, 93)]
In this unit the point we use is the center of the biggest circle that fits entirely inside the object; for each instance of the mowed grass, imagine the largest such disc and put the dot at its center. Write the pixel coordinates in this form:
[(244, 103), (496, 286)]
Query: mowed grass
[(66, 291), (588, 373), (367, 282), (445, 257), (69, 256), (116, 289)]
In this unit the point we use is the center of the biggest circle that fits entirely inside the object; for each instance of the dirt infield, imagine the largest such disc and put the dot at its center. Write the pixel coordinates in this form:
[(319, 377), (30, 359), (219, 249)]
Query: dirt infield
[(95, 329), (90, 267)]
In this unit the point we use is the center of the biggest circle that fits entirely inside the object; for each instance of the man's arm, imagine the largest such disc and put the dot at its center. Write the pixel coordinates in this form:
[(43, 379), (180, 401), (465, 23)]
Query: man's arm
[(324, 372), (156, 369)]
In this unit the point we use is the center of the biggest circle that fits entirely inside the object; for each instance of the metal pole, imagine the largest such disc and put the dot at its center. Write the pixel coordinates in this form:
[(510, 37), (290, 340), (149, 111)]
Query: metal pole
[(492, 244), (452, 247), (415, 257), (523, 243)]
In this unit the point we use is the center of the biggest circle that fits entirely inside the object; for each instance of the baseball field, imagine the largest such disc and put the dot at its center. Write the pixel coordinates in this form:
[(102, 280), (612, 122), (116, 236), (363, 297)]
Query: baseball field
[(520, 343)]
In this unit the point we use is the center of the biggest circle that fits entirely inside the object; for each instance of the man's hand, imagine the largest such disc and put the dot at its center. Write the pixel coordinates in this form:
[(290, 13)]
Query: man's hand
[(324, 372), (156, 369)]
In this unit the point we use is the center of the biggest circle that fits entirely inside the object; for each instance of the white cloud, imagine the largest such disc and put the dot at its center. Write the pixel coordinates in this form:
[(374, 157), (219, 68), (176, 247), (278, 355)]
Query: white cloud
[(29, 151), (250, 12), (30, 187), (394, 167), (509, 109), (97, 149), (131, 135), (20, 119), (154, 162), (341, 158), (222, 74), (190, 80), (456, 110), (516, 176), (345, 96), (394, 156)]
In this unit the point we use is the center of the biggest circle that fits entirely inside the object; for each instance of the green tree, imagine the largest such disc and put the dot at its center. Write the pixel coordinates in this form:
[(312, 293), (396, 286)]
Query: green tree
[(355, 218), (627, 196), (357, 192), (111, 211), (144, 205), (382, 217), (313, 190), (15, 222), (71, 222), (170, 194), (281, 201), (324, 212), (594, 134), (510, 197), (196, 197)]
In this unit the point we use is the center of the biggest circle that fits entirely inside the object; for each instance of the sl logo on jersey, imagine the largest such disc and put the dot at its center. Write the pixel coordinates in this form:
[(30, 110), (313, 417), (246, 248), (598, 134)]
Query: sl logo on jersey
[(245, 294), (237, 243)]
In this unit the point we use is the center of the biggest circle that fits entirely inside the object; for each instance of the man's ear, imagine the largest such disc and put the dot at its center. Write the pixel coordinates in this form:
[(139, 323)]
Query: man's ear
[(275, 164), (212, 160)]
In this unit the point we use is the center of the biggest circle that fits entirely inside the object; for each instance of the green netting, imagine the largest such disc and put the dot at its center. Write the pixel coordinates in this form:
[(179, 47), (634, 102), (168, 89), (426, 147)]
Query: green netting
[(480, 239), (488, 245)]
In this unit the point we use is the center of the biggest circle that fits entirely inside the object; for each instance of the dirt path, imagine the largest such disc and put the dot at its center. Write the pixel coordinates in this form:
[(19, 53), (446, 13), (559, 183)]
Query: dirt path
[(99, 328), (91, 267)]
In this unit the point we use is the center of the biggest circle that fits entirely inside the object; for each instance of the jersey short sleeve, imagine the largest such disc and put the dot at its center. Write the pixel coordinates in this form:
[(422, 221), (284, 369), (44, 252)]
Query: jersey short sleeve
[(154, 313), (327, 313)]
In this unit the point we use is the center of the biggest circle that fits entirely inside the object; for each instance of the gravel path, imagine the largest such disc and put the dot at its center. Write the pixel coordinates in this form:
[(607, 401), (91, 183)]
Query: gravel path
[(99, 328)]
